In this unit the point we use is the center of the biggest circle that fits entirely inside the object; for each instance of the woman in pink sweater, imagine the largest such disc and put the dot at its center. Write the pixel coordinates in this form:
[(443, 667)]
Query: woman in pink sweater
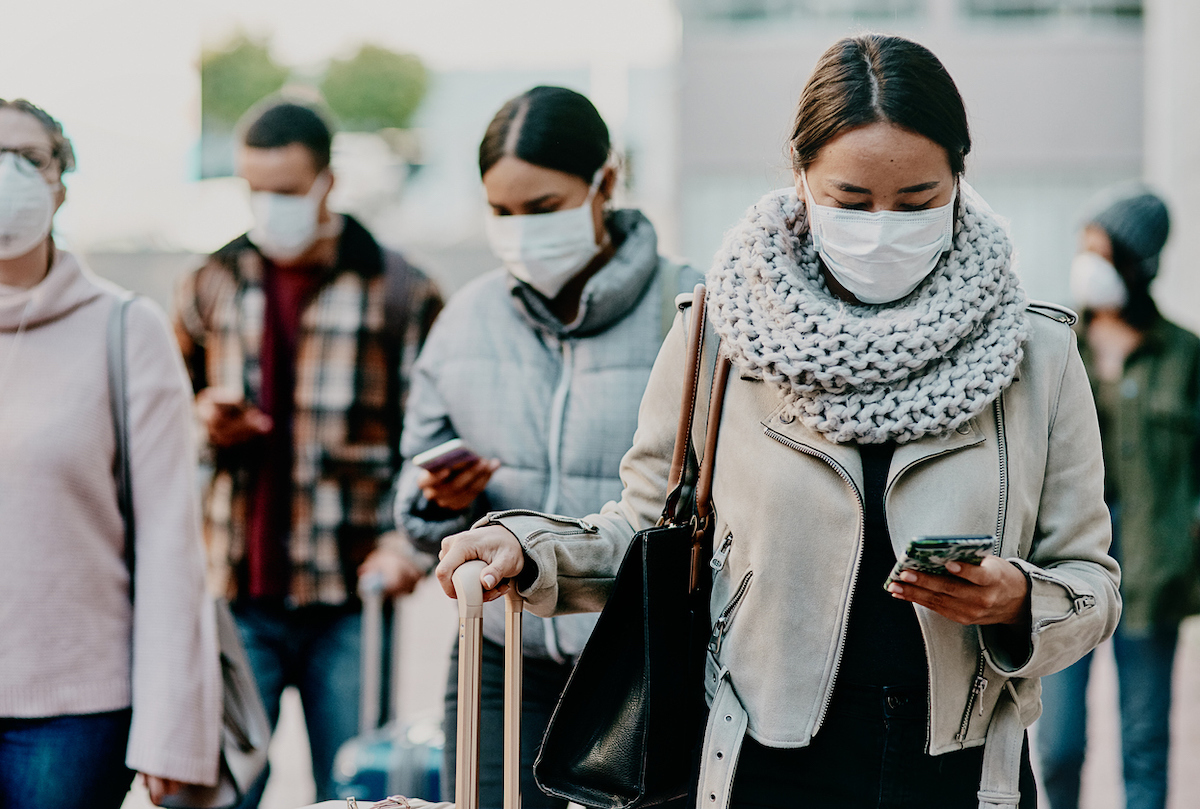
[(93, 687)]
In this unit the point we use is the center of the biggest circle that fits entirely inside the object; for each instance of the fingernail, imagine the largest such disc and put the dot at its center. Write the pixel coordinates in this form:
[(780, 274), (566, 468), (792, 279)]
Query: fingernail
[(909, 577), (895, 588), (489, 581), (953, 567)]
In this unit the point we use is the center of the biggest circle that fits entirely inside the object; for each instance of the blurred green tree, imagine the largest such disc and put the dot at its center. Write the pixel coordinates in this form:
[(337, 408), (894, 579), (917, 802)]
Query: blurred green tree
[(375, 89), (235, 76)]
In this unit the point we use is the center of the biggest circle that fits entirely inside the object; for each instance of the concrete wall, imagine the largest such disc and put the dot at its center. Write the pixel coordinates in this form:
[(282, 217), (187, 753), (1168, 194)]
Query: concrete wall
[(1172, 133)]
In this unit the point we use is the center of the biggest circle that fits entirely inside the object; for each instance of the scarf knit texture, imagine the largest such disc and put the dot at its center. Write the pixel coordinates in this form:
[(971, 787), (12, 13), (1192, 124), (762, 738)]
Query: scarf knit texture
[(920, 366)]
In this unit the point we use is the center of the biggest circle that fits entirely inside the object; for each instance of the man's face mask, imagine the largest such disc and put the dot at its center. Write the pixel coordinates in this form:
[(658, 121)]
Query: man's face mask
[(880, 256), (285, 225)]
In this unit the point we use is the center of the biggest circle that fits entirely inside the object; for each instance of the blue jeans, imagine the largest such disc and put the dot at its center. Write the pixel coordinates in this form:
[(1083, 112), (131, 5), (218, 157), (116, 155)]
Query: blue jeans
[(1144, 664), (316, 649), (65, 761)]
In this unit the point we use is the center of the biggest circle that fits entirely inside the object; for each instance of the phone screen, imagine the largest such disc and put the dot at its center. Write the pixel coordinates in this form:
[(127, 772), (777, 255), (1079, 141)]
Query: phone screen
[(931, 554)]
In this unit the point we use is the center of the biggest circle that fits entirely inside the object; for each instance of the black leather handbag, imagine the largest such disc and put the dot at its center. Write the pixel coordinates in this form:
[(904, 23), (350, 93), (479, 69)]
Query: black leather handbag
[(627, 730)]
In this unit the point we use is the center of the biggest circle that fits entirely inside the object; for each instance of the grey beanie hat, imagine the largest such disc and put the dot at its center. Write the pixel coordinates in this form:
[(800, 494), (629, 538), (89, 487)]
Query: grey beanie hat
[(1137, 221)]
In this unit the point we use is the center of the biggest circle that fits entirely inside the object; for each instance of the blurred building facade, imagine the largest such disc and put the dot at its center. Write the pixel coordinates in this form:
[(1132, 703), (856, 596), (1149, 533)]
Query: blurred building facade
[(1065, 97)]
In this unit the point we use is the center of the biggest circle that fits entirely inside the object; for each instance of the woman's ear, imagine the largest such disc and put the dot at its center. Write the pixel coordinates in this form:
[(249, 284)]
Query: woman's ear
[(608, 183), (60, 195)]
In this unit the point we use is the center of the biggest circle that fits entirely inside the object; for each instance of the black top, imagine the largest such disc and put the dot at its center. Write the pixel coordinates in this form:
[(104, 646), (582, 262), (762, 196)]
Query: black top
[(884, 646)]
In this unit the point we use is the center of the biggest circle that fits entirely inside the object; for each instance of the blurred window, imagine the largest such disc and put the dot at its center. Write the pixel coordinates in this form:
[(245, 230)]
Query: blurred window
[(1030, 8), (764, 9)]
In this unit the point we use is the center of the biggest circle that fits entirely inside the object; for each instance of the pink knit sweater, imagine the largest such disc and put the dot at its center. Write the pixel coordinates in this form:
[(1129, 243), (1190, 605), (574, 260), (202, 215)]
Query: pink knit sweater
[(70, 642)]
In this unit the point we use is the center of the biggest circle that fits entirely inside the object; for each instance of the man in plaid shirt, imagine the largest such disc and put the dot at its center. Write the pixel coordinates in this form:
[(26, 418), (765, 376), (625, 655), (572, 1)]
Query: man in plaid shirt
[(299, 337)]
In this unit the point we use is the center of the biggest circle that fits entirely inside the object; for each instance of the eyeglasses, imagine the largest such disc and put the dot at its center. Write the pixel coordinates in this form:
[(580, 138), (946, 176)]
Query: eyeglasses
[(40, 159)]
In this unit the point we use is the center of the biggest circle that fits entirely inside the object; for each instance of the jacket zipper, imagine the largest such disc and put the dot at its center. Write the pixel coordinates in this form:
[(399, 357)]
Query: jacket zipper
[(581, 526), (721, 554), (978, 686), (528, 512), (558, 408), (837, 663), (1079, 602), (925, 646), (721, 626), (980, 683), (1002, 439)]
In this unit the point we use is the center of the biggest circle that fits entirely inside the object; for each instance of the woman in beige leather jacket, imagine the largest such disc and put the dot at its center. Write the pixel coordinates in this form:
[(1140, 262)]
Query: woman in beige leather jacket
[(890, 381)]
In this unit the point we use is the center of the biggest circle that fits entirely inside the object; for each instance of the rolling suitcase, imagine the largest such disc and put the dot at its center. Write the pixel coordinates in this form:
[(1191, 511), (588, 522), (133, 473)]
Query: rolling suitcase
[(395, 758), (470, 644)]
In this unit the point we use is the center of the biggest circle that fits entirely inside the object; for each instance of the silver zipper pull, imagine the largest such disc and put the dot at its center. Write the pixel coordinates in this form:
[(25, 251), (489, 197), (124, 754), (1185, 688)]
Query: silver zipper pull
[(980, 686), (714, 642), (721, 553)]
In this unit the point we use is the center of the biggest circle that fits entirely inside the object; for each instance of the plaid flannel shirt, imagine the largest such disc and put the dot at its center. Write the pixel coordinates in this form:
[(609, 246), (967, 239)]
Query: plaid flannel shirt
[(351, 382)]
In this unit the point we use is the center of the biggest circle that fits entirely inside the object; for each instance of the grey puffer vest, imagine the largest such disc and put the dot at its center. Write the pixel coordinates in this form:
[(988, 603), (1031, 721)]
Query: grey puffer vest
[(556, 403)]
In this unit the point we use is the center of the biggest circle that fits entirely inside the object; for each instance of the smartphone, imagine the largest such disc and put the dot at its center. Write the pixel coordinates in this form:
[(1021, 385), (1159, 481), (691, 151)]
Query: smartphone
[(452, 453), (232, 410), (930, 554)]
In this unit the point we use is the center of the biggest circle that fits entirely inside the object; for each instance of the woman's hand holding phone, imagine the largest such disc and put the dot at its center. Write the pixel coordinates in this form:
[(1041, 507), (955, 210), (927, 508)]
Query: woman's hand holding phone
[(457, 486), (991, 592), (228, 418)]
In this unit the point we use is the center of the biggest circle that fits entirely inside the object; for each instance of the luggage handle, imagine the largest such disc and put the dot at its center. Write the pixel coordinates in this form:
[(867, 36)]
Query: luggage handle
[(370, 714), (470, 639)]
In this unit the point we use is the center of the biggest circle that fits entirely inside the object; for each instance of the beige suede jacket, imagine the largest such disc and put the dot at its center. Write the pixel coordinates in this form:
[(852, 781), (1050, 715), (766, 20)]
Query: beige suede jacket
[(789, 516)]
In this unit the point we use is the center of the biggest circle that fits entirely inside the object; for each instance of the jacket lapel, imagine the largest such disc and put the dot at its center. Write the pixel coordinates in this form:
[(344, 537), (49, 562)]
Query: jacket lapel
[(782, 423), (968, 434)]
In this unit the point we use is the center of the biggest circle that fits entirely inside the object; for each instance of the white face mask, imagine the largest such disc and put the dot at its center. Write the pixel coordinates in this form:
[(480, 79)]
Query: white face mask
[(1096, 284), (546, 250), (880, 256), (285, 225), (26, 206)]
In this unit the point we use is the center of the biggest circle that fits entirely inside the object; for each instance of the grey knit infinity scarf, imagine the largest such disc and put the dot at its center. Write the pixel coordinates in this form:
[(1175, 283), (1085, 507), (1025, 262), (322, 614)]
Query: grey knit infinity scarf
[(894, 372)]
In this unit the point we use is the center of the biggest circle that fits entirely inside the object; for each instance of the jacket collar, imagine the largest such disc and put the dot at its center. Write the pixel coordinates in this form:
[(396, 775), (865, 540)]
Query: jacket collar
[(845, 457), (358, 252), (611, 293)]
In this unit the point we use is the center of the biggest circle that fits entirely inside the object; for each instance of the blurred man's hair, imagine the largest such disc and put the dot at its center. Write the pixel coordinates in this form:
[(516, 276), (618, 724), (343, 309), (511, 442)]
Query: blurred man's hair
[(273, 123)]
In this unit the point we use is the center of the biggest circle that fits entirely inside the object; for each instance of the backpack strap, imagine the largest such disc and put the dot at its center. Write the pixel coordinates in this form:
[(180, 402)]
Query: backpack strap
[(118, 396), (397, 294)]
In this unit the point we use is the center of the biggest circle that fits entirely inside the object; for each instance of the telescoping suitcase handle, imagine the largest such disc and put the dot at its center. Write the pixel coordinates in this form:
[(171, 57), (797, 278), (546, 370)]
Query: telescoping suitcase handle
[(370, 714), (470, 647)]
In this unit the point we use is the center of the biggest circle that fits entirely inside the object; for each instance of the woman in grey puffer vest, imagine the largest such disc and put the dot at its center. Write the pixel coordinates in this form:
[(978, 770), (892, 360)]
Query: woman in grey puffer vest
[(539, 368)]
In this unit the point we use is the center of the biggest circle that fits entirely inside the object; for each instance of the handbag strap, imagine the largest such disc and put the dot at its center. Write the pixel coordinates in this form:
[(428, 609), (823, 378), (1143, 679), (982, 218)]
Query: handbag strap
[(716, 404), (118, 396), (687, 408)]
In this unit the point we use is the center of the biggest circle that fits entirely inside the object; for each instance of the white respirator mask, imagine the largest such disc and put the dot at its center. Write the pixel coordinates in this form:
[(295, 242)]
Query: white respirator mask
[(880, 256), (547, 250), (285, 225), (1096, 284), (26, 206)]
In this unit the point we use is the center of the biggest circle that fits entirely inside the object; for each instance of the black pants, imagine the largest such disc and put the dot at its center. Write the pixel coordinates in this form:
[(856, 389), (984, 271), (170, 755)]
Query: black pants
[(544, 681), (869, 754)]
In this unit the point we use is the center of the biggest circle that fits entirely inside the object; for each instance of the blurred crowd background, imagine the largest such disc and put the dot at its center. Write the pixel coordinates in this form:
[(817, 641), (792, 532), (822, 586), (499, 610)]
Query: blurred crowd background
[(1066, 97)]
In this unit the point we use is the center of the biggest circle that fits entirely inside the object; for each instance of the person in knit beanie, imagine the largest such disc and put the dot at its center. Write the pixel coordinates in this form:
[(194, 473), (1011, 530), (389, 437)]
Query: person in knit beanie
[(1138, 224), (1145, 377)]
